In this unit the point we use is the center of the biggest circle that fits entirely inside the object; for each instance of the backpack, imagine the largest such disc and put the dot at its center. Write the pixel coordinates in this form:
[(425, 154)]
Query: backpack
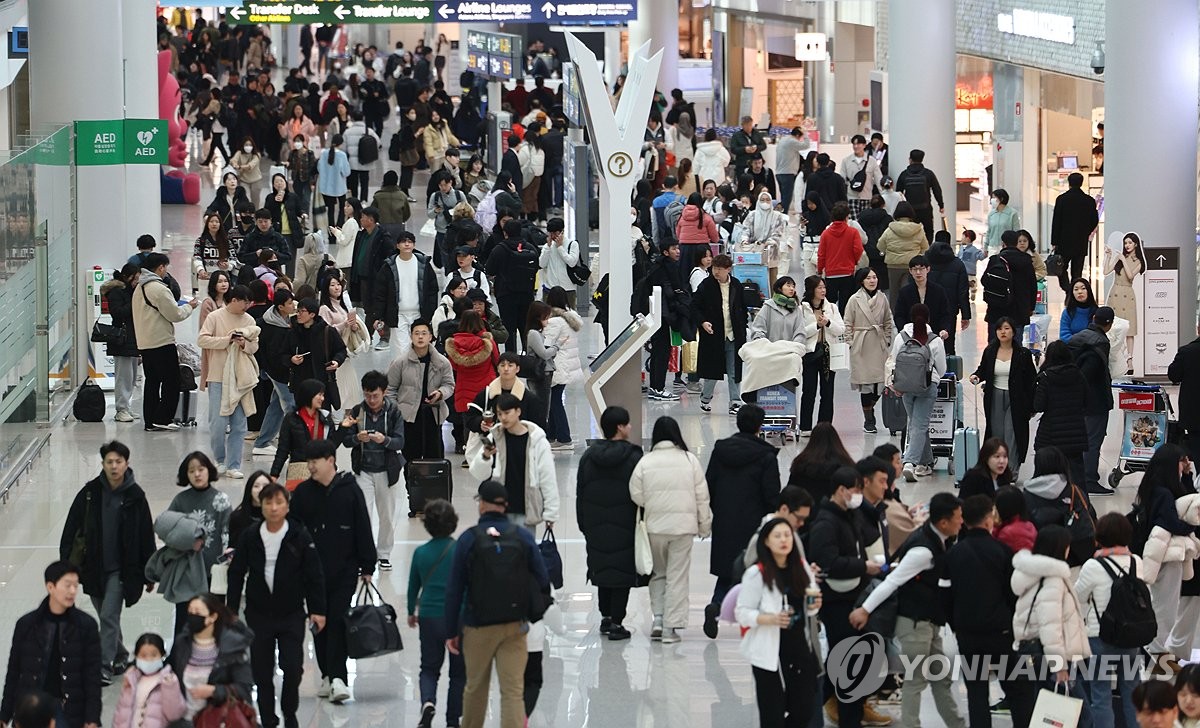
[(996, 282), (1075, 517), (523, 265), (1128, 620), (498, 564), (672, 213), (916, 190), (89, 403), (393, 148), (914, 362), (368, 149)]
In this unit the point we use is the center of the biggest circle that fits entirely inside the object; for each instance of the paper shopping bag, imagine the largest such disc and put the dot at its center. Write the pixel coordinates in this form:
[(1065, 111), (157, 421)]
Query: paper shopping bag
[(1056, 709)]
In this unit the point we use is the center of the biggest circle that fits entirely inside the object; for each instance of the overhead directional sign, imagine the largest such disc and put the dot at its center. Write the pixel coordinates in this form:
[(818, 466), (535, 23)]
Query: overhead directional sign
[(537, 11), (326, 11)]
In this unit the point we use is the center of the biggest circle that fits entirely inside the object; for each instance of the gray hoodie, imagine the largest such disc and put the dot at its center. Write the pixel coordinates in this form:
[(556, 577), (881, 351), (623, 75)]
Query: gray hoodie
[(110, 521), (1049, 487)]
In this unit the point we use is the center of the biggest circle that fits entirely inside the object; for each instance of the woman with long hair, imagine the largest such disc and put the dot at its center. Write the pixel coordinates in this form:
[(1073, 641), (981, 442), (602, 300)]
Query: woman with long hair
[(701, 269), (437, 138), (871, 327), (696, 232), (309, 262), (1080, 307), (990, 472), (473, 355), (533, 165), (823, 326), (344, 236), (778, 619), (287, 216), (412, 141), (1026, 245), (689, 182), (333, 168), (1121, 297), (537, 344), (1168, 477), (339, 315), (305, 424), (812, 469), (211, 251), (250, 508), (247, 162), (119, 293), (918, 404), (668, 484), (563, 327), (211, 655), (1060, 394), (219, 283), (226, 200), (1008, 375)]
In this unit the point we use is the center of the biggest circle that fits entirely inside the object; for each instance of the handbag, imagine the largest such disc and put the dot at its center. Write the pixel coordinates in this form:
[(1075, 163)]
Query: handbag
[(643, 559), (295, 474), (1056, 709), (580, 272), (1054, 266), (689, 357), (371, 629), (103, 333), (839, 356), (233, 713), (218, 578), (554, 562)]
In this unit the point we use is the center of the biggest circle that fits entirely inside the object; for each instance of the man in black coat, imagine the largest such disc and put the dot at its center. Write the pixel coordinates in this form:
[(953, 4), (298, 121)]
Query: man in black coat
[(947, 271), (282, 592), (916, 183), (399, 306), (665, 273), (372, 246), (512, 164), (375, 101), (826, 182), (607, 517), (109, 536), (1090, 348), (1185, 371), (406, 90), (922, 290), (720, 315), (56, 633), (316, 352), (743, 487), (1022, 294), (1075, 219)]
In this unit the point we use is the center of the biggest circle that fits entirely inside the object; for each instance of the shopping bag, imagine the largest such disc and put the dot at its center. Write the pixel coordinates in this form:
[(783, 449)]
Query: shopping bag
[(1056, 709), (233, 713), (429, 229), (690, 353), (296, 474), (839, 356), (550, 555), (218, 581), (643, 560), (673, 361), (371, 629)]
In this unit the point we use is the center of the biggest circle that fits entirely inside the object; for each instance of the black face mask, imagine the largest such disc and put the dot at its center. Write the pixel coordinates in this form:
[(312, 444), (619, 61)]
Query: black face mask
[(196, 623)]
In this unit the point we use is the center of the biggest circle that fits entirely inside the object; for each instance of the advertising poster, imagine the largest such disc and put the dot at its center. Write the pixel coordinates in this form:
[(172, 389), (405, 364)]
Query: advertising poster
[(1144, 432), (1124, 270)]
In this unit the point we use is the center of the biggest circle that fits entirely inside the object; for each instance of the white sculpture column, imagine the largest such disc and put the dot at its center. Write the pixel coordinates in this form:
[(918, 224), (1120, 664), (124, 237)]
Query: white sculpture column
[(1150, 109), (658, 25), (921, 40), (142, 213)]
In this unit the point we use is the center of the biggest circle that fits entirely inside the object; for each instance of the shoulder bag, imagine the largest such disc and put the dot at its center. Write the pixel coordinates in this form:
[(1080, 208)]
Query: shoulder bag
[(643, 559)]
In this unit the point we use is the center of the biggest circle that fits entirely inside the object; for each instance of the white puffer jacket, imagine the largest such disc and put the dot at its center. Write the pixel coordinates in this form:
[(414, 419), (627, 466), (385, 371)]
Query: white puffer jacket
[(565, 326), (710, 161), (1164, 547), (833, 331), (1055, 616), (669, 484), (541, 484), (1094, 587)]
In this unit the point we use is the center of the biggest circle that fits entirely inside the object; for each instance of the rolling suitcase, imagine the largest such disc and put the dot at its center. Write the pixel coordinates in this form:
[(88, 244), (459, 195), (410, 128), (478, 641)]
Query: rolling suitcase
[(428, 480), (954, 365), (895, 418), (185, 412), (966, 441)]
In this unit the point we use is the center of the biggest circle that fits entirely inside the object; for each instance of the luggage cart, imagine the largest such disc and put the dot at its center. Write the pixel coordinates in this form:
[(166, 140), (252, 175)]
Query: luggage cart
[(1148, 425), (944, 419), (781, 405), (1036, 335)]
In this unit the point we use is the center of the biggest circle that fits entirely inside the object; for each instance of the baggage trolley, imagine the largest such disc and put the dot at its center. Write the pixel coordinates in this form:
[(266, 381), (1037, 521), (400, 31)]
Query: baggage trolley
[(944, 419), (1148, 425), (781, 405), (1036, 335)]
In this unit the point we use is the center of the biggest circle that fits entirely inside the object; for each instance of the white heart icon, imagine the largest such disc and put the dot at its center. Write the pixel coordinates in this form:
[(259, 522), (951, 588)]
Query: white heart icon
[(145, 137)]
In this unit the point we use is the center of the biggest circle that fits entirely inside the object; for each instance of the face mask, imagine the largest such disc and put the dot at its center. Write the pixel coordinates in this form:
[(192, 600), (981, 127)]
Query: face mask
[(196, 623), (633, 219), (248, 149), (298, 145), (764, 206), (149, 667), (992, 203), (855, 501)]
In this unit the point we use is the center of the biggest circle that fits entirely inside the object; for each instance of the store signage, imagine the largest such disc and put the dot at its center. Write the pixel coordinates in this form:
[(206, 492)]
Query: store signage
[(1036, 24), (18, 42), (496, 55), (537, 11), (975, 94), (304, 13), (1160, 310), (120, 141)]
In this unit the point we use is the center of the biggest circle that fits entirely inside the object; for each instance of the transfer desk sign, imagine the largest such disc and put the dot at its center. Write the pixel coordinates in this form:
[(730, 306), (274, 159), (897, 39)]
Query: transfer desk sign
[(332, 11)]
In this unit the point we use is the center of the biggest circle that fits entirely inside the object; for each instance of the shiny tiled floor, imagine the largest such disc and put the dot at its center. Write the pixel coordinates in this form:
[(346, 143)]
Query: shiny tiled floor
[(588, 681)]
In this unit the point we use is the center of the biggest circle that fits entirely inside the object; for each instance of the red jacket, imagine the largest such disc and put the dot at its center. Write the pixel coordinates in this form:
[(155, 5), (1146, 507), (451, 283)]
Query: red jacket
[(688, 232), (1017, 534), (473, 357), (840, 248)]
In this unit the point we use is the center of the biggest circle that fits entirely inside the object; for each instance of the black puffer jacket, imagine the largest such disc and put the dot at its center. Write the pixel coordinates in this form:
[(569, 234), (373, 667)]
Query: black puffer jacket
[(1090, 348), (874, 220), (232, 668), (275, 345), (79, 647), (743, 486), (606, 514), (1060, 396), (336, 516), (323, 345), (980, 568), (120, 308), (946, 270), (835, 542)]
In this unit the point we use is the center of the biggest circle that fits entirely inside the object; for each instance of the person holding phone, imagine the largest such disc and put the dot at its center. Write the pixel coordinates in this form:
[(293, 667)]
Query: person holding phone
[(374, 432), (318, 351)]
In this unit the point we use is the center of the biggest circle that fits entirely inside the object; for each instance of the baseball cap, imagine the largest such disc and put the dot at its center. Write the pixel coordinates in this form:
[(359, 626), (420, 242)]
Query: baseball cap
[(1105, 315), (476, 294), (464, 250), (493, 492)]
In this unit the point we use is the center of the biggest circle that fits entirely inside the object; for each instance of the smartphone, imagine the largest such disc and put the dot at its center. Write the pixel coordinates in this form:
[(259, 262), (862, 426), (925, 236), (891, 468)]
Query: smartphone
[(312, 627), (304, 354), (237, 335)]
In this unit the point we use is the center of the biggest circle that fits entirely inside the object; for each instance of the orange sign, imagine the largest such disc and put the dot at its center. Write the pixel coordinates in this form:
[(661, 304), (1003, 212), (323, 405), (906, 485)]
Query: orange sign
[(974, 93)]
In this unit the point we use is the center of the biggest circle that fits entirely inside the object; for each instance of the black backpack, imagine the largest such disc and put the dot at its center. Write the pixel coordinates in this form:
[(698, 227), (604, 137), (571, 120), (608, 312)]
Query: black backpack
[(393, 148), (523, 262), (498, 565), (89, 403), (368, 149), (1128, 620), (997, 281), (916, 190)]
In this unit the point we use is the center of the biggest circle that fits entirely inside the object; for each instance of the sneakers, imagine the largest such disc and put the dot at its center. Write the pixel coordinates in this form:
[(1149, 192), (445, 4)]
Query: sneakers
[(670, 636), (656, 629), (106, 677), (661, 396), (1001, 707), (711, 612), (679, 384), (338, 691), (221, 469), (123, 416), (168, 427), (605, 625), (734, 407), (693, 388), (705, 406), (427, 711), (251, 435), (806, 434), (385, 565), (465, 464), (872, 717), (234, 474), (909, 473), (923, 471), (869, 428), (563, 447), (616, 633), (268, 451), (1100, 489), (323, 688)]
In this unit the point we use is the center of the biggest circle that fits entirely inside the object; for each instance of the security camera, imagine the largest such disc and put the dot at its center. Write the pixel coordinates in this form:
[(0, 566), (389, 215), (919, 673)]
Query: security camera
[(1098, 58)]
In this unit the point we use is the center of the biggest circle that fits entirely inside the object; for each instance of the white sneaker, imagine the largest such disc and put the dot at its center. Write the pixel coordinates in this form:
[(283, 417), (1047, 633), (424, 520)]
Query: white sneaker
[(234, 474), (221, 470), (656, 630), (268, 451), (670, 636), (909, 473), (338, 691), (923, 471), (563, 447), (383, 345), (123, 416), (323, 688)]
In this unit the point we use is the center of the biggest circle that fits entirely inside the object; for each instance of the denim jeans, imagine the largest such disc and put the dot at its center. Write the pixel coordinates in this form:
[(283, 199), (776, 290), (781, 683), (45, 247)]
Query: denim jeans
[(303, 192), (1118, 664), (108, 608), (125, 368), (559, 427), (282, 402), (706, 393), (919, 406), (1096, 426), (432, 631), (226, 447), (787, 185)]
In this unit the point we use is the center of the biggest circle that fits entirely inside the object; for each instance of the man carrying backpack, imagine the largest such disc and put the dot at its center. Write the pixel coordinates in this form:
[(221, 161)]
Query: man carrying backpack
[(1009, 287), (483, 594), (1090, 348), (916, 183), (662, 224), (514, 264)]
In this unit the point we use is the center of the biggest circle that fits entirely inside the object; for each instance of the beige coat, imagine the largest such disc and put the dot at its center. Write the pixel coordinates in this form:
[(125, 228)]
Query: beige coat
[(870, 329), (155, 312), (669, 484), (1055, 616), (214, 341), (240, 377), (404, 383), (902, 240)]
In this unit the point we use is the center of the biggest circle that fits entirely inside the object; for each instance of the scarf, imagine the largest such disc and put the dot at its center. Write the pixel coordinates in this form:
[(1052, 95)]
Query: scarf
[(870, 292), (787, 303)]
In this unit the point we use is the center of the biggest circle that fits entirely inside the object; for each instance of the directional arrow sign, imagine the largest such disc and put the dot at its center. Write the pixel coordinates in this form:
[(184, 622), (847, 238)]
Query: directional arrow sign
[(519, 11), (259, 12), (548, 10), (237, 13), (340, 12), (445, 11)]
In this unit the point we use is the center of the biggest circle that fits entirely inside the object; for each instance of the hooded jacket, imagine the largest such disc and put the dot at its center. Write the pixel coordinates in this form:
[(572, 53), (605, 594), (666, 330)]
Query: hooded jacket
[(606, 514), (128, 529), (79, 650), (1090, 348), (836, 543), (774, 322), (565, 326), (405, 376), (155, 312), (473, 358), (696, 227), (901, 242), (668, 483), (1052, 500), (743, 486), (336, 516), (839, 250), (710, 161), (1022, 287), (231, 672), (275, 345), (1060, 396), (541, 483), (164, 701), (946, 270), (1047, 608), (979, 568)]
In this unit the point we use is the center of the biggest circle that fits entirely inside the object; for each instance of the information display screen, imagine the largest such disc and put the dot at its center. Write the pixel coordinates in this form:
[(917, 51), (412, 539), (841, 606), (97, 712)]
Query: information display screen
[(621, 338)]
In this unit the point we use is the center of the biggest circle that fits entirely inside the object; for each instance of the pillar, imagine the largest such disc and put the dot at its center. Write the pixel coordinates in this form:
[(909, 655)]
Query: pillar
[(612, 56), (141, 102), (822, 72), (61, 94), (921, 39), (658, 22), (1150, 114)]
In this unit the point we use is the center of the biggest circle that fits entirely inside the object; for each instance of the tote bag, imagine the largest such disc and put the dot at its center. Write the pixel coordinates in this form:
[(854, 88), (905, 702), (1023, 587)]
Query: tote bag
[(839, 356), (643, 560), (1056, 709)]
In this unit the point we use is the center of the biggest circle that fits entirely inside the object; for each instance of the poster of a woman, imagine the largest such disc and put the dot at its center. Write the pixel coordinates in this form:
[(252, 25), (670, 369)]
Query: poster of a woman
[(1125, 265)]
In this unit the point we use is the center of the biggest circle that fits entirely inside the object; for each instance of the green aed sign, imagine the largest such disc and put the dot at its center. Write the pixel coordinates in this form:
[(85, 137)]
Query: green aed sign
[(121, 141)]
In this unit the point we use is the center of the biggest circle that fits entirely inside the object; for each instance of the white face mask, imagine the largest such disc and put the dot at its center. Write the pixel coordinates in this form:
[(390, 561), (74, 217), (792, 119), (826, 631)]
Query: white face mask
[(298, 145), (149, 667), (855, 501), (764, 206), (248, 149), (633, 218), (992, 202)]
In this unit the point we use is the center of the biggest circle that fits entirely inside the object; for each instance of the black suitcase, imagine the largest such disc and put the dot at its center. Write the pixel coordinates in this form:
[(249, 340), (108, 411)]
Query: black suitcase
[(428, 480), (185, 412), (895, 418)]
